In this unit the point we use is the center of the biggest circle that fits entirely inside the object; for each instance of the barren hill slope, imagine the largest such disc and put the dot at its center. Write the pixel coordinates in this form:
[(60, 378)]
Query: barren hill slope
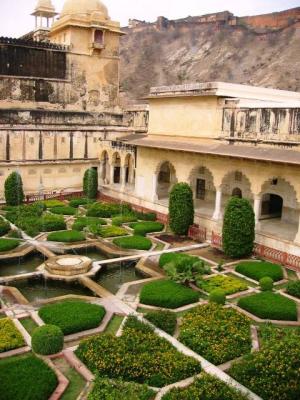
[(208, 52)]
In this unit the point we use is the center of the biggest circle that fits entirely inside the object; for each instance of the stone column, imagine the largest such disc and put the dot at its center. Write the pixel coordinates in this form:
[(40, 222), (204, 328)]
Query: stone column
[(154, 187), (297, 238), (111, 174), (100, 173), (218, 204), (257, 210), (123, 178)]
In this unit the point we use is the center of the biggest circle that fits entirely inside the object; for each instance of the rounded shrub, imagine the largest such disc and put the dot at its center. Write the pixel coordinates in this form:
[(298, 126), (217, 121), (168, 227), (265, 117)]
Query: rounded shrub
[(90, 183), (133, 243), (78, 202), (142, 228), (181, 208), (217, 296), (13, 189), (266, 284), (238, 228), (293, 288), (8, 244), (47, 340), (4, 227)]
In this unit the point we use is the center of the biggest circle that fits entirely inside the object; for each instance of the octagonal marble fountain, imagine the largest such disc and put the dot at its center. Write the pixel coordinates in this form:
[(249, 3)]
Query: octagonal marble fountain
[(68, 265)]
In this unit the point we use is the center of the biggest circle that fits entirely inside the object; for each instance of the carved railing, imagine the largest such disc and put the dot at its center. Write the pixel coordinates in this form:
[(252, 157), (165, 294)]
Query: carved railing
[(197, 233)]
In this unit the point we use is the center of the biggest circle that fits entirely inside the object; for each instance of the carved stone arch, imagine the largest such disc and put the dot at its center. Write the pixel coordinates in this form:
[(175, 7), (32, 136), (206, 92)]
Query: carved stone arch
[(236, 179), (282, 187), (201, 180), (166, 178)]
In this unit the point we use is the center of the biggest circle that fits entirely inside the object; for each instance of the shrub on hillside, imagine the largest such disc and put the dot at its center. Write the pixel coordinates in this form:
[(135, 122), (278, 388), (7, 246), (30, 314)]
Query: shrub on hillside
[(47, 340), (142, 228), (167, 294), (269, 305), (13, 189), (238, 228), (258, 270), (133, 243), (181, 208), (164, 320), (66, 237), (72, 316), (293, 288), (26, 377)]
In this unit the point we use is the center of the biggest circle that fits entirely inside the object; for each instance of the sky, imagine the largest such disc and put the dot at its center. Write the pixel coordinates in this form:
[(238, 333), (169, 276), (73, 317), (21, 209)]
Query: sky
[(15, 18)]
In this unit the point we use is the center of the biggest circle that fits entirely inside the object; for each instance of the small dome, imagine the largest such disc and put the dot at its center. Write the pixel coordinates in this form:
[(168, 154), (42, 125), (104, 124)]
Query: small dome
[(44, 3), (84, 7)]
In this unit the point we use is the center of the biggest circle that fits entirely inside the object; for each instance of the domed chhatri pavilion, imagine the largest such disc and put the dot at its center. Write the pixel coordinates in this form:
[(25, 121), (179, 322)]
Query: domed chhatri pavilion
[(60, 113)]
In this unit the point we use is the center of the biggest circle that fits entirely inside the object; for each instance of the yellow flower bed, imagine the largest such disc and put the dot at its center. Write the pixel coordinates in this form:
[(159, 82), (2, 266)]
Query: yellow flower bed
[(10, 337)]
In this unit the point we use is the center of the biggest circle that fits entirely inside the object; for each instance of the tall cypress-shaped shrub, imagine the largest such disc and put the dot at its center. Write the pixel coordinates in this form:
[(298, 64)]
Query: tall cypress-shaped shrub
[(238, 228), (181, 208), (90, 183), (13, 189)]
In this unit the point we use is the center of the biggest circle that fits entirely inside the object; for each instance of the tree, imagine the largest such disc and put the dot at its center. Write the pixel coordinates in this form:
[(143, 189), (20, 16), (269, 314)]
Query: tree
[(181, 208), (238, 228), (13, 189), (90, 183)]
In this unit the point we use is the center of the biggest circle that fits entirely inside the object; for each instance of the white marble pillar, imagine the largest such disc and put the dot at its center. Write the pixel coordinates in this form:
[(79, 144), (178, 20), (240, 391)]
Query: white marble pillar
[(154, 187), (111, 174), (123, 178), (257, 210), (100, 173), (297, 238), (218, 204)]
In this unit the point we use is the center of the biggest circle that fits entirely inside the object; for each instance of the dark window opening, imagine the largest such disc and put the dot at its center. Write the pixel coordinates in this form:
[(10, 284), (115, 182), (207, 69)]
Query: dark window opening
[(200, 189)]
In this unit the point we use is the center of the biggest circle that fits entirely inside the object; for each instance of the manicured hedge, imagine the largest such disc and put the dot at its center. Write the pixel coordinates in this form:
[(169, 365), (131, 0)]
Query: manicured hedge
[(47, 340), (133, 243), (268, 305), (10, 337), (293, 288), (167, 294), (53, 203), (107, 210), (181, 208), (258, 270), (164, 320), (105, 389), (274, 371), (142, 228), (146, 216), (78, 202), (66, 236), (228, 284), (123, 219), (8, 244), (26, 378), (109, 231), (207, 387), (266, 284), (238, 228), (4, 227), (138, 355), (66, 210), (72, 316), (82, 222), (50, 223), (216, 333), (217, 296)]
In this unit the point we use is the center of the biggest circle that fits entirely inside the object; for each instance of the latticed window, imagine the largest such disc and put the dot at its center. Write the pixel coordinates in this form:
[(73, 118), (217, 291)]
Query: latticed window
[(238, 176)]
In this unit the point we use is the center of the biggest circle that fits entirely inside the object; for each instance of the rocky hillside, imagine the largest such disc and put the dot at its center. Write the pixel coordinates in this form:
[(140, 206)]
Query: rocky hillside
[(193, 52)]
